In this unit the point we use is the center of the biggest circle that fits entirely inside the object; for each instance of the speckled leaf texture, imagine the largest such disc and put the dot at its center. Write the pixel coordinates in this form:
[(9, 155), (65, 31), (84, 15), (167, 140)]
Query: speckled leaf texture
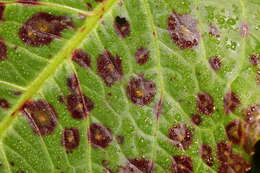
[(129, 86)]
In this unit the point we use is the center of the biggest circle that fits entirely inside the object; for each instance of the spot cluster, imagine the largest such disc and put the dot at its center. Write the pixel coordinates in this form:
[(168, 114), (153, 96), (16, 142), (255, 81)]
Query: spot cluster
[(230, 161), (42, 28), (183, 31), (41, 116), (181, 136)]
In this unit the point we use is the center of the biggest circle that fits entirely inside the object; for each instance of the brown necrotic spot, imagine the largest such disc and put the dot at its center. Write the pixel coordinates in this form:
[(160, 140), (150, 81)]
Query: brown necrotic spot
[(181, 136), (28, 2), (183, 31), (215, 63), (42, 28), (205, 103), (142, 55), (122, 26), (3, 50), (143, 165), (41, 115), (81, 57), (206, 154), (182, 164), (2, 8), (70, 138), (4, 104), (196, 119), (99, 136), (109, 68), (79, 105), (234, 131), (141, 91), (231, 102), (254, 59)]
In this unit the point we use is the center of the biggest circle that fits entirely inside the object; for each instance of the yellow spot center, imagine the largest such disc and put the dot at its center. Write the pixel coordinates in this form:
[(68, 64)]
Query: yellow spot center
[(185, 31), (110, 67), (139, 93)]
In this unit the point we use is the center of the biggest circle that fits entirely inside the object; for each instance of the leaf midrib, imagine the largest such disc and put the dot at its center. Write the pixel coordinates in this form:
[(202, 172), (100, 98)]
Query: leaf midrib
[(90, 23)]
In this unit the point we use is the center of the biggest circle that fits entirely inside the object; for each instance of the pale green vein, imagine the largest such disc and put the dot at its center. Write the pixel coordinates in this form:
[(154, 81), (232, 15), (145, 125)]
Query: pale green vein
[(90, 24), (159, 70), (7, 84), (59, 6)]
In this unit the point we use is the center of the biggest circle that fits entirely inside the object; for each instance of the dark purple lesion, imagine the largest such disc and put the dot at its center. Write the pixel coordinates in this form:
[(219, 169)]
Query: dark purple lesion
[(109, 68), (122, 26), (70, 139), (215, 63), (138, 165), (158, 108), (28, 2), (42, 28), (79, 105), (82, 58), (206, 154), (254, 59), (181, 136), (231, 102), (142, 55), (196, 119), (230, 161), (41, 116), (4, 104), (2, 9), (141, 91), (181, 164), (183, 30), (3, 50), (205, 103), (99, 136), (235, 131)]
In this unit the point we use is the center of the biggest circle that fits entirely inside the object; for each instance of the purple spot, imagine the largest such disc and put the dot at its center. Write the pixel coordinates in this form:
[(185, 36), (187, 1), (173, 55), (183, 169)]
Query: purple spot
[(42, 28), (215, 63), (2, 9), (213, 30), (181, 136), (234, 131), (28, 2), (183, 31), (79, 105), (141, 91), (41, 115), (142, 55), (70, 138), (138, 166), (109, 68), (196, 119), (122, 26), (99, 136), (206, 154), (158, 108), (82, 58), (73, 83), (244, 29), (3, 50), (205, 103), (182, 164), (231, 102), (255, 59), (4, 103), (120, 139)]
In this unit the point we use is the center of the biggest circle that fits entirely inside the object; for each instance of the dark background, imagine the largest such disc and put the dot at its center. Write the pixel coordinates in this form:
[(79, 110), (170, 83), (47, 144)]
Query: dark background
[(256, 159)]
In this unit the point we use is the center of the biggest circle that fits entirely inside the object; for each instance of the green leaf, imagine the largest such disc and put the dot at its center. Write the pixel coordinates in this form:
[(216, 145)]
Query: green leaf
[(151, 86)]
